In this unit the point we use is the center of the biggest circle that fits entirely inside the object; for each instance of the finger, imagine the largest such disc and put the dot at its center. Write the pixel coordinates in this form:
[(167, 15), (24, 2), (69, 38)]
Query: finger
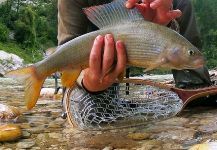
[(121, 58), (108, 56), (131, 3), (161, 3), (147, 1), (174, 14), (141, 7), (95, 59)]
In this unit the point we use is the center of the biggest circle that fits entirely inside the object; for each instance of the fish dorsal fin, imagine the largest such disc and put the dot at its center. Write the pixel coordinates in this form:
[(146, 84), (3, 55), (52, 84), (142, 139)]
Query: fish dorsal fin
[(112, 14)]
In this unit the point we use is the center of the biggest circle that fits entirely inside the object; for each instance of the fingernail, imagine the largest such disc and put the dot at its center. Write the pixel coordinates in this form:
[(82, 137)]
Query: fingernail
[(99, 38), (109, 37), (128, 4), (120, 44), (153, 5)]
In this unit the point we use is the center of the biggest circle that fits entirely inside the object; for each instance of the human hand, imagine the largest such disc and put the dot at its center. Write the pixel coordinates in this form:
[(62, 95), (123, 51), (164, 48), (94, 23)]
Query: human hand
[(157, 11), (104, 67)]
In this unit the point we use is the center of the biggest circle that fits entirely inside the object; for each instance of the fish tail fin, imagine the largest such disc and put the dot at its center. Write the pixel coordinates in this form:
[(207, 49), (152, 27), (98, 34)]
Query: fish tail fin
[(33, 83)]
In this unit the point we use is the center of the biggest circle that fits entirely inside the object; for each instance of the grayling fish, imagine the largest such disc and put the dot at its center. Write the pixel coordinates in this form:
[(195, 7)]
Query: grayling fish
[(148, 45)]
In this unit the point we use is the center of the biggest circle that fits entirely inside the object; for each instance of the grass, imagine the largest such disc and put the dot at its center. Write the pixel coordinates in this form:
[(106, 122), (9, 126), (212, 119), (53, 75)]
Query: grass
[(29, 55)]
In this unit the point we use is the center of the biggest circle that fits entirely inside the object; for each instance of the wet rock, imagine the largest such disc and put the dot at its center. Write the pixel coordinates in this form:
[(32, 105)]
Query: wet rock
[(50, 93), (80, 148), (42, 137), (9, 62), (8, 112), (108, 148), (36, 130), (26, 143), (151, 145), (21, 119), (180, 135), (55, 135), (26, 134), (176, 121), (35, 148), (205, 146), (25, 126), (6, 149), (138, 136), (57, 123), (214, 136), (9, 132), (208, 128), (207, 120), (161, 128), (171, 145)]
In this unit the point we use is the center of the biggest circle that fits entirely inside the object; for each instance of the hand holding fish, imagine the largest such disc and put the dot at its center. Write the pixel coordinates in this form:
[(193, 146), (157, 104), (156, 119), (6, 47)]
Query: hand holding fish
[(101, 72), (157, 11)]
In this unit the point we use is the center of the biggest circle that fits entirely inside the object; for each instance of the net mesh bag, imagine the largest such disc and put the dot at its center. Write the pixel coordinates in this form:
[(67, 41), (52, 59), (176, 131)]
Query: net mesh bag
[(122, 105)]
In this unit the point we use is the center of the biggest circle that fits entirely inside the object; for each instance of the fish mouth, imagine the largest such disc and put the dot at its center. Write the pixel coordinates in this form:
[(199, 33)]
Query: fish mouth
[(198, 63)]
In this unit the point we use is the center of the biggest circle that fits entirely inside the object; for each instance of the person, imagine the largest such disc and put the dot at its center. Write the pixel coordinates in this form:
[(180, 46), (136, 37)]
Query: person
[(73, 23), (176, 14)]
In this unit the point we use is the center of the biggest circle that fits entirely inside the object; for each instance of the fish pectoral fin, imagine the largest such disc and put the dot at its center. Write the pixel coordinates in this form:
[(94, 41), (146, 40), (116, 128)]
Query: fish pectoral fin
[(69, 77), (158, 64)]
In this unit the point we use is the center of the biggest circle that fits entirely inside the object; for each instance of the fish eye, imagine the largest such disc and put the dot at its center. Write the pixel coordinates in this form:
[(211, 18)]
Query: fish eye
[(191, 52)]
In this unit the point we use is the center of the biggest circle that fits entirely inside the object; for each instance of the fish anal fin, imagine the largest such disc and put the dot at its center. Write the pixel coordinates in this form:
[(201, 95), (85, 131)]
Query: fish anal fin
[(69, 77)]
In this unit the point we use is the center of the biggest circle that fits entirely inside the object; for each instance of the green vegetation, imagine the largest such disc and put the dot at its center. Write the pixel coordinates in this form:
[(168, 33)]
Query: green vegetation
[(32, 26), (206, 13), (4, 33), (27, 28), (28, 56)]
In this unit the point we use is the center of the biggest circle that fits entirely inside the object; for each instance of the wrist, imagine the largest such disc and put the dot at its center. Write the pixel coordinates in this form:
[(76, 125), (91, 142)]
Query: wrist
[(85, 87)]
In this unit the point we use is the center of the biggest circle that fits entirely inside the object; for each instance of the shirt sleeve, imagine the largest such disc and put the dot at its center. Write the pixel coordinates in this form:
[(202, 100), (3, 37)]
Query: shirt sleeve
[(72, 22)]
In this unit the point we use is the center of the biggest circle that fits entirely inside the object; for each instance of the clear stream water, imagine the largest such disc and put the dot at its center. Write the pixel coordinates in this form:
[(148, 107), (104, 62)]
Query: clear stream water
[(43, 128)]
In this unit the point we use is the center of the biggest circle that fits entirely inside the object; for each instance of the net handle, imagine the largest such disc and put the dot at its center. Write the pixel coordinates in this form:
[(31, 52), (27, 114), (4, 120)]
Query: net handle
[(147, 82)]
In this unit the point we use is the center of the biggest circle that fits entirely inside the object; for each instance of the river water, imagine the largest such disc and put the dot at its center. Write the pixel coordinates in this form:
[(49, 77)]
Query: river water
[(43, 127)]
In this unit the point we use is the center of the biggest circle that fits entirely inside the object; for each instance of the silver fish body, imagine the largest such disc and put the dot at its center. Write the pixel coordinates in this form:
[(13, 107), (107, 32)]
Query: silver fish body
[(146, 45)]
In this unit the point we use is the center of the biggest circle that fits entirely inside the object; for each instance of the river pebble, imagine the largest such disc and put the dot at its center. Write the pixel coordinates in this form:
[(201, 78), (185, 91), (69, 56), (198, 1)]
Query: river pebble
[(108, 148), (26, 134), (26, 143), (151, 144), (9, 132), (139, 136)]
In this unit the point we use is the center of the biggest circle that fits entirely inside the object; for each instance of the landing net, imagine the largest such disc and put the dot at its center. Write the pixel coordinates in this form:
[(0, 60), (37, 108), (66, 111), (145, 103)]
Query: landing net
[(122, 105)]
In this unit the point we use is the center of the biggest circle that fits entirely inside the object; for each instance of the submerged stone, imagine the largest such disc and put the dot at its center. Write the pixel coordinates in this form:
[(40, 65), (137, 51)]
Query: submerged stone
[(9, 132), (8, 113)]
